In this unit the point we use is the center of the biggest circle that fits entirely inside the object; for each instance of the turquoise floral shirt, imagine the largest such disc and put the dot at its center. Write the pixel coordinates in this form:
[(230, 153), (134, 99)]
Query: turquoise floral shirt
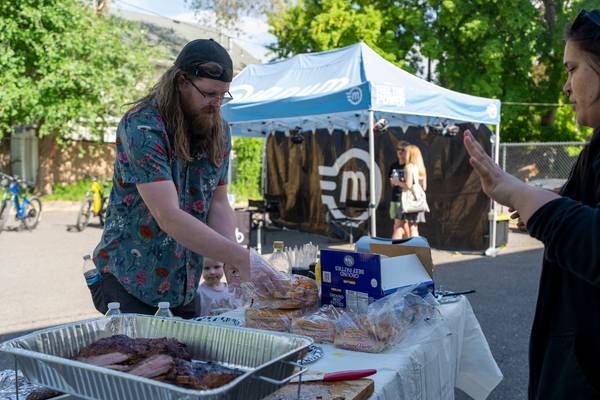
[(148, 263)]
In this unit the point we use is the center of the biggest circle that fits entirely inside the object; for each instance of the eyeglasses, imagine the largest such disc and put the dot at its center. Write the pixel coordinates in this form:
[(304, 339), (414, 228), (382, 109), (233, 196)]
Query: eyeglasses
[(222, 98), (400, 150), (585, 16)]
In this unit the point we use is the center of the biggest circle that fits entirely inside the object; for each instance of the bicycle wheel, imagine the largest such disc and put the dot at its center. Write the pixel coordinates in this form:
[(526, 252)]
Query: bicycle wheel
[(85, 212), (33, 213), (4, 213)]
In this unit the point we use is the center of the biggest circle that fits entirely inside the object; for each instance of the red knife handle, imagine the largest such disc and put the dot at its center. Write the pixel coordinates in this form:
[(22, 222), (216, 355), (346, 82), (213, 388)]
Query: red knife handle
[(348, 375)]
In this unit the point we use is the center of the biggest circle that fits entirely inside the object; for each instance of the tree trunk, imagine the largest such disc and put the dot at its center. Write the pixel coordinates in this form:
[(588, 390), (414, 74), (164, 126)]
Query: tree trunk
[(48, 153)]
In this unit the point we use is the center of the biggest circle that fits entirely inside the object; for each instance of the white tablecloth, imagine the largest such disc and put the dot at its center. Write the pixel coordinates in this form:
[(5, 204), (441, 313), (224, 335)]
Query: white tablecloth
[(457, 355)]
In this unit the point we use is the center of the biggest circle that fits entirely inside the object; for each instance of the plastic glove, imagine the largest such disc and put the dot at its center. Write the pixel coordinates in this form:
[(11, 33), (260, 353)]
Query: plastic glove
[(266, 281)]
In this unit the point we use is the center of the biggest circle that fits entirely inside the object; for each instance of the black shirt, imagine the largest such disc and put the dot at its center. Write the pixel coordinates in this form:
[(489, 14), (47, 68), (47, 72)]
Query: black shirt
[(565, 338), (396, 190)]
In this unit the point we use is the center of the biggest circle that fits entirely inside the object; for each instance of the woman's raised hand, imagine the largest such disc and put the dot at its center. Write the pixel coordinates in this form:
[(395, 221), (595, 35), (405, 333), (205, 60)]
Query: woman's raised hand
[(496, 183)]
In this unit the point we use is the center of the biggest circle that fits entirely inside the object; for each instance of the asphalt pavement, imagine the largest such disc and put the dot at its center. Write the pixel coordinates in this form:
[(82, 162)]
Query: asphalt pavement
[(41, 285)]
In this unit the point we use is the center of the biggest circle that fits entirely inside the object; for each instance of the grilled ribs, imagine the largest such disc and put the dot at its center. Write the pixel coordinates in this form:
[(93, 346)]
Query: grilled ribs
[(164, 359)]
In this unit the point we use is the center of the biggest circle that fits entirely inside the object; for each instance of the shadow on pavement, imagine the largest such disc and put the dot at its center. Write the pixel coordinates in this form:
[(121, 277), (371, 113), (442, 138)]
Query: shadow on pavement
[(504, 304)]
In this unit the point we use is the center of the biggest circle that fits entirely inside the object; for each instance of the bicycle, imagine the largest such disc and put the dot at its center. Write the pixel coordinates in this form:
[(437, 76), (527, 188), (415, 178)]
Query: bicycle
[(94, 203), (28, 209)]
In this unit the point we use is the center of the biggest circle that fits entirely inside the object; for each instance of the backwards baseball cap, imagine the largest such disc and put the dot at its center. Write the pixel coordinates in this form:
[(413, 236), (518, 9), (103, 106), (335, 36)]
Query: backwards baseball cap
[(205, 58)]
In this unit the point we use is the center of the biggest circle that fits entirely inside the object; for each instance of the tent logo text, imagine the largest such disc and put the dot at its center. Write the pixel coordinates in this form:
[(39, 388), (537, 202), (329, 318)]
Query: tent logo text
[(247, 93), (354, 184), (354, 96)]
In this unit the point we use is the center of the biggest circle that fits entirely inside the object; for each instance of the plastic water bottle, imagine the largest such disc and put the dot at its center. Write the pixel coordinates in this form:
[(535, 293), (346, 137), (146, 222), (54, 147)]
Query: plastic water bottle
[(114, 309), (164, 310), (395, 174), (90, 272), (278, 259)]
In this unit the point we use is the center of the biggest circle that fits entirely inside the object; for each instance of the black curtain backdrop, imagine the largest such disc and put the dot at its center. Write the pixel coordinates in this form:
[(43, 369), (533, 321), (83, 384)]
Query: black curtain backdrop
[(459, 209)]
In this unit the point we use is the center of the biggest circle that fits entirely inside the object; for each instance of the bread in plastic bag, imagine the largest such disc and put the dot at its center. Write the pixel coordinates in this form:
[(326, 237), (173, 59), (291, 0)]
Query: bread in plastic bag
[(292, 292), (320, 326), (270, 319), (387, 321)]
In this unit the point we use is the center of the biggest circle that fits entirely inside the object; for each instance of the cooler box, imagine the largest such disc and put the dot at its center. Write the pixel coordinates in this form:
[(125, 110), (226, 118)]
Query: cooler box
[(353, 280)]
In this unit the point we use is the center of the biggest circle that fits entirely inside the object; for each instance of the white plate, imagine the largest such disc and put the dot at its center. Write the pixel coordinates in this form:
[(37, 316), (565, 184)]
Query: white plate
[(314, 353), (218, 319)]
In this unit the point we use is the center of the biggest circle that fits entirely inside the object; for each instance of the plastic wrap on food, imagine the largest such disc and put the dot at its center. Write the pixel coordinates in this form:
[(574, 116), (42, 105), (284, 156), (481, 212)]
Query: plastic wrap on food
[(318, 326), (291, 292), (11, 382), (358, 332), (271, 319), (387, 322)]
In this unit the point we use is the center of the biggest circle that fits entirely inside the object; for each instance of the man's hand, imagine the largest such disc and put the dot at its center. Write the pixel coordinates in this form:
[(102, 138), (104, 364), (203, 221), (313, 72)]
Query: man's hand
[(265, 281)]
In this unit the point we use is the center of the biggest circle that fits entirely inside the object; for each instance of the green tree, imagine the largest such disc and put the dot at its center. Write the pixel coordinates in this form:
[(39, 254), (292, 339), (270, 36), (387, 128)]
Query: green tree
[(63, 67), (247, 180), (318, 25), (510, 50)]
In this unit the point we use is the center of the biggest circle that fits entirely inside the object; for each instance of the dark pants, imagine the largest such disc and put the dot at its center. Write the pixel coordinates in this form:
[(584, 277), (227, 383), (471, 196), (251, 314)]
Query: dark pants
[(109, 289)]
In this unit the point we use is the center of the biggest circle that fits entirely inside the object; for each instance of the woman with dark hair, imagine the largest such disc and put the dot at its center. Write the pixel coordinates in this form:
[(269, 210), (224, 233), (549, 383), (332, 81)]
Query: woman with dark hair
[(565, 337)]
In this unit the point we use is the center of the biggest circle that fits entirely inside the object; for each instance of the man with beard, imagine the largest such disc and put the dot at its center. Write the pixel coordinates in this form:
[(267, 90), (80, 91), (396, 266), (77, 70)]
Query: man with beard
[(168, 205)]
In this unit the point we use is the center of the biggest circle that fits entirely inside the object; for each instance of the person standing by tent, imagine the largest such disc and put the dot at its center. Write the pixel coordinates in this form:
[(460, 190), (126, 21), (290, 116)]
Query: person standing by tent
[(565, 344), (396, 177), (408, 171), (168, 204)]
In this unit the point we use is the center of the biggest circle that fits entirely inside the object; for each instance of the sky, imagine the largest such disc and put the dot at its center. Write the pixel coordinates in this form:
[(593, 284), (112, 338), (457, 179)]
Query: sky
[(253, 35)]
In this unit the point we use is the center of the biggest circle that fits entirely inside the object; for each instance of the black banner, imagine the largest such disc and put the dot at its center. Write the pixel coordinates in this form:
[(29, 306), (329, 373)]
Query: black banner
[(321, 172)]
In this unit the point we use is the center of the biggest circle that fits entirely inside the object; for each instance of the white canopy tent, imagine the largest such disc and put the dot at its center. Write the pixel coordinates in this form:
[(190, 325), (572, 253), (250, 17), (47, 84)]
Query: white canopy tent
[(349, 89)]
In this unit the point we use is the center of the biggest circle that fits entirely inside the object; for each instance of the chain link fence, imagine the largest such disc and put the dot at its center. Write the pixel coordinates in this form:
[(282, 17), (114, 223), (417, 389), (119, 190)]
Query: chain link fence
[(545, 165)]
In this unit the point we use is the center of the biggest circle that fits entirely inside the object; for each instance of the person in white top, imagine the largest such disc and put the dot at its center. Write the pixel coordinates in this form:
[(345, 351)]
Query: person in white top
[(214, 296), (414, 173)]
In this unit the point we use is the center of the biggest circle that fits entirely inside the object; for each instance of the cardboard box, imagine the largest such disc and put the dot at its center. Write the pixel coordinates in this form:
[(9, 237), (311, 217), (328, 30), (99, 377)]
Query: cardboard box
[(354, 280)]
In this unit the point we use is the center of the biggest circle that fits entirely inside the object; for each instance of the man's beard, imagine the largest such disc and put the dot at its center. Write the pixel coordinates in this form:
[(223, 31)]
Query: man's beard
[(201, 125), (202, 129)]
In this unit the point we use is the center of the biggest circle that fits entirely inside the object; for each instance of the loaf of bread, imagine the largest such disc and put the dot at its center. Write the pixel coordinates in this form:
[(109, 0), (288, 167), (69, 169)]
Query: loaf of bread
[(296, 291), (366, 333), (317, 326), (271, 319)]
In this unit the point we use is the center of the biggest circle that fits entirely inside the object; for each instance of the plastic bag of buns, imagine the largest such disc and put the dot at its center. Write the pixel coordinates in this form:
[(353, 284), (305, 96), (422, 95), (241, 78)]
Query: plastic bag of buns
[(320, 326), (271, 319), (387, 322), (293, 292)]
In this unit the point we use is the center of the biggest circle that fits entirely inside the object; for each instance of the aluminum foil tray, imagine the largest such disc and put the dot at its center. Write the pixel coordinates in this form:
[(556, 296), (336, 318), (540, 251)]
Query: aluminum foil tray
[(269, 358)]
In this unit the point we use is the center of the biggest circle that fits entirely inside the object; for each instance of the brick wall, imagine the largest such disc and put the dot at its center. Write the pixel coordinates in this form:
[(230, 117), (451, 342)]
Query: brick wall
[(79, 158), (72, 160)]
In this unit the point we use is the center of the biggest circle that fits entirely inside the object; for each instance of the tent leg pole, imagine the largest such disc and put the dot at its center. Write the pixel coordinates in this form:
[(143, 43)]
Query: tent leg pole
[(372, 194), (492, 251)]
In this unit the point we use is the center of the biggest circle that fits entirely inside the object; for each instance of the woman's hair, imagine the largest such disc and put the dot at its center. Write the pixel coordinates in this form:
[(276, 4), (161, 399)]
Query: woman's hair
[(166, 94), (414, 156), (585, 31)]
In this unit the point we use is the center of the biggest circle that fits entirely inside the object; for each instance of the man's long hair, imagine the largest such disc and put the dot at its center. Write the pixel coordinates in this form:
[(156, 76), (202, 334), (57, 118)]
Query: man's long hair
[(166, 94)]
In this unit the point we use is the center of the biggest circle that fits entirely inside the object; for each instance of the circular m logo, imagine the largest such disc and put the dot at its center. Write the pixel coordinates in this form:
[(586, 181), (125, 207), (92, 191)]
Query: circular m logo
[(353, 184), (354, 96)]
